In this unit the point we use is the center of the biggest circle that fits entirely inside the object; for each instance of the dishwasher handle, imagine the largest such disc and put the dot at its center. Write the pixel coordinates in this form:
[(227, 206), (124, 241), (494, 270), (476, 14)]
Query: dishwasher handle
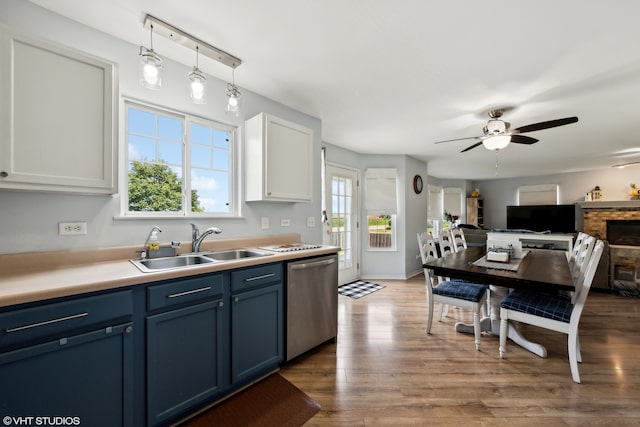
[(306, 265)]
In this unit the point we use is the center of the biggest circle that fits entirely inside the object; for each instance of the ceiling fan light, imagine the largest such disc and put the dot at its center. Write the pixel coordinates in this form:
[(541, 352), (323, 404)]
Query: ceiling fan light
[(496, 142)]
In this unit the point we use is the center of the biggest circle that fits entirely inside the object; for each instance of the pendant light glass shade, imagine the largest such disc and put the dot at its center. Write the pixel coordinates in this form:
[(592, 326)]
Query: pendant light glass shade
[(497, 142), (198, 83), (233, 94), (150, 67), (233, 102)]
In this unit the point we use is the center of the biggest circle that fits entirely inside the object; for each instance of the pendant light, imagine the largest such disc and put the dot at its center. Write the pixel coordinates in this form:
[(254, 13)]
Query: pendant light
[(151, 63), (198, 83), (233, 94), (150, 66)]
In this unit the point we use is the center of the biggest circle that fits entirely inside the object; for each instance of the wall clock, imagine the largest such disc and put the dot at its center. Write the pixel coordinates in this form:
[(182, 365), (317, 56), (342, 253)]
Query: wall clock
[(417, 184)]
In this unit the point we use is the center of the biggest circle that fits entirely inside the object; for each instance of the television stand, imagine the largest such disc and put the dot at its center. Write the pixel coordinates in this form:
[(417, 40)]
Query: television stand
[(534, 241)]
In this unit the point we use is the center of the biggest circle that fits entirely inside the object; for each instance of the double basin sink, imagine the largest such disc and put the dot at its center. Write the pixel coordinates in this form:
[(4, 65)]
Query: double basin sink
[(194, 259)]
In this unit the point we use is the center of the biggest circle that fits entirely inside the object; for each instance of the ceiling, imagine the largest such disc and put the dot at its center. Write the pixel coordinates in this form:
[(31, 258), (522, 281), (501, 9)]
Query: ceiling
[(394, 77)]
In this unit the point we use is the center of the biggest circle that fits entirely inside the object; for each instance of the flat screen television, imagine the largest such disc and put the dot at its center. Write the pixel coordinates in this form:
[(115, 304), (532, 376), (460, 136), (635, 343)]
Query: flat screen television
[(553, 218)]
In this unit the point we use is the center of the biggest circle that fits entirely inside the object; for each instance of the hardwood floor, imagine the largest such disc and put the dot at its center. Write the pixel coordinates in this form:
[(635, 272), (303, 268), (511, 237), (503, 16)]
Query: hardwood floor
[(385, 370)]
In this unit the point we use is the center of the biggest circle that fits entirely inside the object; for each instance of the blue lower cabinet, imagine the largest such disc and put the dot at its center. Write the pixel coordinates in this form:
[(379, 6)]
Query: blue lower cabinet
[(256, 332), (184, 359), (83, 379)]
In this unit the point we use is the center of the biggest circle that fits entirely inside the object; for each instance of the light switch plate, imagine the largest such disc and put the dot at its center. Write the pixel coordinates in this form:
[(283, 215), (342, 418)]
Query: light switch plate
[(311, 221), (265, 222)]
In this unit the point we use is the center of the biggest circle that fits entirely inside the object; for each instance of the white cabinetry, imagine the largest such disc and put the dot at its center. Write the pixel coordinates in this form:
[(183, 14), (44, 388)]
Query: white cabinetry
[(57, 118), (279, 165)]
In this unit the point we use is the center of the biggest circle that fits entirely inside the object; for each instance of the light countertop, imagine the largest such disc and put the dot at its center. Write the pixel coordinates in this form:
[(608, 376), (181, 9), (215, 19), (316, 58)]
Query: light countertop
[(30, 277)]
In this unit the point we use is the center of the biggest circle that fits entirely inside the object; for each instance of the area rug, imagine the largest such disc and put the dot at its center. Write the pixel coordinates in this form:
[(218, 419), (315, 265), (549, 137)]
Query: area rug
[(359, 288), (273, 401)]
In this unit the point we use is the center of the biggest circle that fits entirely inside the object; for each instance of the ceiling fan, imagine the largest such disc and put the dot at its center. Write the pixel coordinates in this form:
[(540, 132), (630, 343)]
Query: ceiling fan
[(497, 134)]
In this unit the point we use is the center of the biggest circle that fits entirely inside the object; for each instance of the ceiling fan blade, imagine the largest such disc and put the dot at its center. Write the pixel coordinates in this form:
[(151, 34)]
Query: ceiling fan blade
[(545, 125), (472, 146), (457, 139), (523, 139)]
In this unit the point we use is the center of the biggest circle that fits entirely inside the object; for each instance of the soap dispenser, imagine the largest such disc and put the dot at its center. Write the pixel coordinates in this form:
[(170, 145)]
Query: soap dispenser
[(153, 244)]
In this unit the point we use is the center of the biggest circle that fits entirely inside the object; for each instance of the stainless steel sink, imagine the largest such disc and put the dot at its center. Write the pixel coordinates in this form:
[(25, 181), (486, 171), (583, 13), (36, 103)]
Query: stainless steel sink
[(234, 254), (170, 263)]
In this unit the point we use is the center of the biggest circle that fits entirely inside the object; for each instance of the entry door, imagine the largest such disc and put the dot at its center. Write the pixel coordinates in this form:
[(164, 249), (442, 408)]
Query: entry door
[(341, 225)]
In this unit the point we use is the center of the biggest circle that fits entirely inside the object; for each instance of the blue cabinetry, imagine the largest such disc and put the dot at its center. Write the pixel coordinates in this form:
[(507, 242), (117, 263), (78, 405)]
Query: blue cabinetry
[(256, 321), (150, 354), (71, 359), (185, 346)]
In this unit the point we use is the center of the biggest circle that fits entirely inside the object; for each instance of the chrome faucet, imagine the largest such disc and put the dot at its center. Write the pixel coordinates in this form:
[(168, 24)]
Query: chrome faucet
[(144, 254), (197, 238)]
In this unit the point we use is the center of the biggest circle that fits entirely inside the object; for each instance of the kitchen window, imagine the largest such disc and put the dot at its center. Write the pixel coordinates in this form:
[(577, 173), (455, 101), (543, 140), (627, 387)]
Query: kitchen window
[(178, 165)]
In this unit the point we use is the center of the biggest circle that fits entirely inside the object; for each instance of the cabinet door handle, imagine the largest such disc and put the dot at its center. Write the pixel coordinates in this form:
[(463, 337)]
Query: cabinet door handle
[(313, 264), (46, 322), (264, 276), (194, 291)]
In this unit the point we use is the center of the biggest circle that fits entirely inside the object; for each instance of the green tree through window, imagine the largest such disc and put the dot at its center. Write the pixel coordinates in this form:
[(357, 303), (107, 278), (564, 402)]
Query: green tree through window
[(155, 187)]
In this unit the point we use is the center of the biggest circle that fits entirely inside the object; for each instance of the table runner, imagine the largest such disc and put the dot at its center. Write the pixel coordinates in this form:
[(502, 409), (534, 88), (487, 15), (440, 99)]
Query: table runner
[(512, 265)]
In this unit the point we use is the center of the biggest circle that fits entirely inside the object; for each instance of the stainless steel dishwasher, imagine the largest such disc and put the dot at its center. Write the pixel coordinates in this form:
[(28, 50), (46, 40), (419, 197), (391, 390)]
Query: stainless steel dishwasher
[(312, 303)]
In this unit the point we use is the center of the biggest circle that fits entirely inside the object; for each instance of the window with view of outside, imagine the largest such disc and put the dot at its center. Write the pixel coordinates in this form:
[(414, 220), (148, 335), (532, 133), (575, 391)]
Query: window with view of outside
[(380, 230), (178, 165)]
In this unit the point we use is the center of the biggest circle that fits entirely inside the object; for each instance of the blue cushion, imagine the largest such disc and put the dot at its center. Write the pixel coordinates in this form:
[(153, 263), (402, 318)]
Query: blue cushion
[(460, 289), (538, 304)]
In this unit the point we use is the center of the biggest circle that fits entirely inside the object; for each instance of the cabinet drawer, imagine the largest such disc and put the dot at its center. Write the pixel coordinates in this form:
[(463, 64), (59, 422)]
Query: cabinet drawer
[(63, 317), (169, 294), (255, 276)]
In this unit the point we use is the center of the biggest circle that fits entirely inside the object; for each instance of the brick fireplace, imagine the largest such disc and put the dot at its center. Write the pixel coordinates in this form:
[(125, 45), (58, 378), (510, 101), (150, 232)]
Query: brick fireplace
[(623, 258)]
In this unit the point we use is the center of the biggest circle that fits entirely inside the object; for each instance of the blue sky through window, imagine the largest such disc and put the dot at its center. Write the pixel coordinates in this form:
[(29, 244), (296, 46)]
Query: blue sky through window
[(157, 138)]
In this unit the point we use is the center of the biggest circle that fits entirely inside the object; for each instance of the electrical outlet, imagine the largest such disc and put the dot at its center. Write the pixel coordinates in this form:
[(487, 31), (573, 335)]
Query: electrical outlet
[(284, 222), (72, 228), (265, 222)]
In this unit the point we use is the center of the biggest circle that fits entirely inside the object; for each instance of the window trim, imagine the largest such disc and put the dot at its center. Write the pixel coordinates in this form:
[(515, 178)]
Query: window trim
[(187, 119)]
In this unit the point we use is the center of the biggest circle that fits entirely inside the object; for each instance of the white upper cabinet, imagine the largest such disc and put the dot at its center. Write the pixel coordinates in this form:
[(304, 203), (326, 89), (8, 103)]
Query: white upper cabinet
[(279, 160), (58, 118)]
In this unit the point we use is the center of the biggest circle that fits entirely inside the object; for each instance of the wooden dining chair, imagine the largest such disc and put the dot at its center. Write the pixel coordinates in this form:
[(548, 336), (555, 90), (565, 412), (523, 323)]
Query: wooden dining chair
[(458, 239), (551, 312), (459, 293)]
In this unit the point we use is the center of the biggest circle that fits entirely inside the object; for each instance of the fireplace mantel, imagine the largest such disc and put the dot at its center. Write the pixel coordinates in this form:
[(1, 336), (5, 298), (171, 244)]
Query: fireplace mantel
[(613, 204)]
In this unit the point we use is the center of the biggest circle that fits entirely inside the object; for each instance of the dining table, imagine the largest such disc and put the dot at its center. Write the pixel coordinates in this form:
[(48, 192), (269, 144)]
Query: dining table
[(539, 270)]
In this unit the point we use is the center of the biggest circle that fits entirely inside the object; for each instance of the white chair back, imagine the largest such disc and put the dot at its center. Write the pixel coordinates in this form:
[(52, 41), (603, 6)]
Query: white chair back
[(577, 245), (459, 241), (583, 256), (583, 284), (446, 243), (423, 238)]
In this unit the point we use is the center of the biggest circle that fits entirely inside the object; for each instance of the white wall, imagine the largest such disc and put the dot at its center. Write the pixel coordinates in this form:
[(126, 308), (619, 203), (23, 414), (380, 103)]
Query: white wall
[(29, 220), (411, 219), (499, 193)]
